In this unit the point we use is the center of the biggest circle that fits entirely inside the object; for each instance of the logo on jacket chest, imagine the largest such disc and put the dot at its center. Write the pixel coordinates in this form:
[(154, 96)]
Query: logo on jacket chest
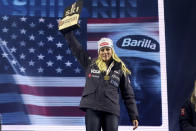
[(94, 71)]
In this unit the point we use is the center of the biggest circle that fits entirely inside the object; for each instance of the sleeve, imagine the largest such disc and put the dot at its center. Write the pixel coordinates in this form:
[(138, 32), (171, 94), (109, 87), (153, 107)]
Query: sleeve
[(128, 97), (77, 50), (186, 117)]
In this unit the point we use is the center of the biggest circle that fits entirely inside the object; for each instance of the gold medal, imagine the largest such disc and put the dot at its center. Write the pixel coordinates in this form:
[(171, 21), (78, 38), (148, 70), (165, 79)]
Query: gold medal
[(106, 77)]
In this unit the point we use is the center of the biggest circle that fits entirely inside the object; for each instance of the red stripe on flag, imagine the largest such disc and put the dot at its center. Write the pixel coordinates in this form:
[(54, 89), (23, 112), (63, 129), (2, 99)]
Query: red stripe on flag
[(92, 36), (123, 20), (93, 53), (51, 91), (54, 111)]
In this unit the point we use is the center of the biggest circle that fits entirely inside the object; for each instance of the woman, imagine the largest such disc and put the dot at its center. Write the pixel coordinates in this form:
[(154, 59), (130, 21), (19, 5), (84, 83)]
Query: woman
[(106, 76), (188, 113)]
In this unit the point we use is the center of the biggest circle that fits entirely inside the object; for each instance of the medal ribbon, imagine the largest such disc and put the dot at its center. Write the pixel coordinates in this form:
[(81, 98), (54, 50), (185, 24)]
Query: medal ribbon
[(109, 68)]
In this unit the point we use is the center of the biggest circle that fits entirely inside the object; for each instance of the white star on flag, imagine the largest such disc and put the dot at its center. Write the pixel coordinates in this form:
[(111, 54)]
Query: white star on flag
[(50, 38), (59, 57), (23, 31), (22, 69), (32, 25), (41, 32), (5, 30), (4, 43), (23, 19), (31, 63), (13, 50), (31, 50), (22, 56), (5, 18), (13, 36), (50, 63), (40, 57), (13, 62), (22, 43), (31, 37), (59, 45), (41, 20), (50, 51), (4, 54), (14, 24), (40, 70), (41, 43), (50, 26), (77, 70), (68, 64), (59, 70)]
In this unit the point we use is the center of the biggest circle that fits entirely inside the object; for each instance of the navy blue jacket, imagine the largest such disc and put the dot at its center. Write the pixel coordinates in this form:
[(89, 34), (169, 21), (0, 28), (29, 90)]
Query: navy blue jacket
[(100, 94), (187, 119)]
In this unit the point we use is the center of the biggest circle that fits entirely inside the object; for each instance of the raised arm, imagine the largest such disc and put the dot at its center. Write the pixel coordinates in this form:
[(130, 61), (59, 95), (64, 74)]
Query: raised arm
[(77, 50)]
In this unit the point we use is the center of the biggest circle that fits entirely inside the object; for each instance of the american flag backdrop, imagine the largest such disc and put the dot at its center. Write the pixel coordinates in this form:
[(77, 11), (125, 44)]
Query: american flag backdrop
[(40, 80)]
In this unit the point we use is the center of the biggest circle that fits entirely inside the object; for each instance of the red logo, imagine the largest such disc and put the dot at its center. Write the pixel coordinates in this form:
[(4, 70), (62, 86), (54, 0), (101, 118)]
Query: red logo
[(89, 75), (182, 112), (104, 43)]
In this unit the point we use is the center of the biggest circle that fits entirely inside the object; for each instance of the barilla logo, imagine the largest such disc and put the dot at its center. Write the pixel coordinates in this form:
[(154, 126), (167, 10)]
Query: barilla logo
[(104, 43), (138, 42)]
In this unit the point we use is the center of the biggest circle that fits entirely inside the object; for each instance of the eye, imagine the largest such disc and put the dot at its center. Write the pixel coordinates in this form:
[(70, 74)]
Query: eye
[(107, 49), (102, 50)]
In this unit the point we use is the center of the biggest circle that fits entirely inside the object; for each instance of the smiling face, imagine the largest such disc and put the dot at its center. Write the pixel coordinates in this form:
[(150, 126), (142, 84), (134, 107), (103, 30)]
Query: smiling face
[(105, 53)]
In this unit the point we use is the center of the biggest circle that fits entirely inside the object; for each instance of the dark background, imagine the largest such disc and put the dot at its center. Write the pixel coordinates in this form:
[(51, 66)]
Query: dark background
[(180, 29)]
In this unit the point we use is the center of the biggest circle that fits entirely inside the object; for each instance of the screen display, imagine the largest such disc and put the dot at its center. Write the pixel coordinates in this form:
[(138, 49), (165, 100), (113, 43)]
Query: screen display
[(42, 82)]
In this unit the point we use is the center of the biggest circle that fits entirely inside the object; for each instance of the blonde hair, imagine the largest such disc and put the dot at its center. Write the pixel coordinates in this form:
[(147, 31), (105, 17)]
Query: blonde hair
[(103, 67), (193, 96)]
